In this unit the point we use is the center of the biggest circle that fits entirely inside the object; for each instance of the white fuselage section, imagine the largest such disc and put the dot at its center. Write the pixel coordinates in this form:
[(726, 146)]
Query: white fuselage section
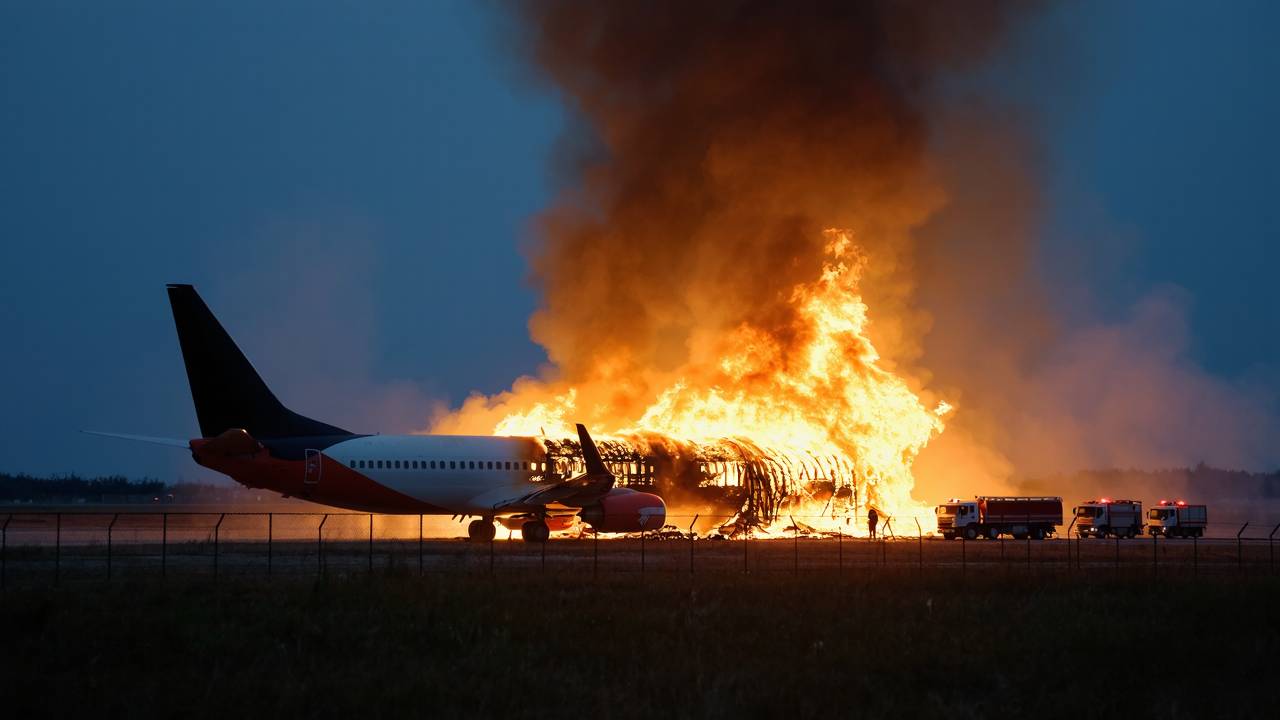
[(465, 474)]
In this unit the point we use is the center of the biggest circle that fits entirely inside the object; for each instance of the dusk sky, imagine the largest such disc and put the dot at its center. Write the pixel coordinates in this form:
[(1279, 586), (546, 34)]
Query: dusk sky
[(349, 186)]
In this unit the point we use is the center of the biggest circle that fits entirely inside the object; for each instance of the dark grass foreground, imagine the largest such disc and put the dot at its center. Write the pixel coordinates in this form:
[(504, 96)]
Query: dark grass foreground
[(709, 646)]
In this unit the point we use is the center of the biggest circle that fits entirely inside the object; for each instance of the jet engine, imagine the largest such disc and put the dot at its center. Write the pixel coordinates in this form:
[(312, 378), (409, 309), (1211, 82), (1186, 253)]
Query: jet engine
[(624, 510)]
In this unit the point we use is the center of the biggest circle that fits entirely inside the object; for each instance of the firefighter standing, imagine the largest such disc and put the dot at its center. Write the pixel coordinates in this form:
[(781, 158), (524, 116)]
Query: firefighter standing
[(873, 517)]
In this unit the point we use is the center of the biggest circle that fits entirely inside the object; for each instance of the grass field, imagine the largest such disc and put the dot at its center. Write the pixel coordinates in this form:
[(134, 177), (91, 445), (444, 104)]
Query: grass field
[(889, 643)]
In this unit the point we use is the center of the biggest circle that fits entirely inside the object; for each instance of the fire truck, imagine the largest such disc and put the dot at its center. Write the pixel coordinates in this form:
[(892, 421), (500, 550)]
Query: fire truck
[(991, 517), (1105, 517), (1175, 518)]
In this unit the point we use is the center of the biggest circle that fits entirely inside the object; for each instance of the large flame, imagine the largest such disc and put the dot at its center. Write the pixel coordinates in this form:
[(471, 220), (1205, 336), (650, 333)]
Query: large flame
[(824, 403)]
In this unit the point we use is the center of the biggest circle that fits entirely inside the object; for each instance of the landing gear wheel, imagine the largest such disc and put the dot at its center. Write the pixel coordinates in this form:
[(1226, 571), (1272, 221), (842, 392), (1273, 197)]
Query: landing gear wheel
[(970, 533), (535, 531), (481, 530), (993, 533)]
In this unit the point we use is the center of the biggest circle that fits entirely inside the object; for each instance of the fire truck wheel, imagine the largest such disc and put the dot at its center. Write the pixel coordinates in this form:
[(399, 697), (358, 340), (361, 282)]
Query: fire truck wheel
[(970, 533), (993, 533), (1038, 533), (948, 536)]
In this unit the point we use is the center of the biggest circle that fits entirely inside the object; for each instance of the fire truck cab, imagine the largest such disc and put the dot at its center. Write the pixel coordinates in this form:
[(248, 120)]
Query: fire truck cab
[(958, 518), (1105, 517), (1175, 518)]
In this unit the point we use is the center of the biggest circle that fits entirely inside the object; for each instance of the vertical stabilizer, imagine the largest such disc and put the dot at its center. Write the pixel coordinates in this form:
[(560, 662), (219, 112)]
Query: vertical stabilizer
[(227, 391)]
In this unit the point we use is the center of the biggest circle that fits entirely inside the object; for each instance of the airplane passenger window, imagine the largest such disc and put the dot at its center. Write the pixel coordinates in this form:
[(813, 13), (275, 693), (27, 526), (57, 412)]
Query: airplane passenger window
[(433, 464), (353, 463), (413, 464), (490, 464), (397, 464), (379, 464), (473, 464), (508, 465)]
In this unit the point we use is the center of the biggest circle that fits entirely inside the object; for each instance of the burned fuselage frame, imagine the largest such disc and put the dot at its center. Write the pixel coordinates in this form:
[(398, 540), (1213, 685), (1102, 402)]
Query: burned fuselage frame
[(730, 476)]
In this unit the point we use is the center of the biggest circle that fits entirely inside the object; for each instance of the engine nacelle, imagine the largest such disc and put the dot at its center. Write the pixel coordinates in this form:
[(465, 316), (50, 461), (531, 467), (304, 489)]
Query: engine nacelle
[(624, 510)]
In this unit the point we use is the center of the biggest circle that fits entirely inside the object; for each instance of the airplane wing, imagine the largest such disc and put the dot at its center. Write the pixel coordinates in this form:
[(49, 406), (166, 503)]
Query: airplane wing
[(171, 442), (576, 491)]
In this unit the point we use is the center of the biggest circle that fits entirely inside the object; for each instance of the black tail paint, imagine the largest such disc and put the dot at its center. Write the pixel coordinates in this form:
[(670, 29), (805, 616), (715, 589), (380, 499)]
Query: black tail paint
[(227, 391)]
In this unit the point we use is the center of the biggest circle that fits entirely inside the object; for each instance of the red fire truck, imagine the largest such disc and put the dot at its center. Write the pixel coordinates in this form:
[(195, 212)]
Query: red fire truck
[(1175, 518), (1102, 517), (991, 517)]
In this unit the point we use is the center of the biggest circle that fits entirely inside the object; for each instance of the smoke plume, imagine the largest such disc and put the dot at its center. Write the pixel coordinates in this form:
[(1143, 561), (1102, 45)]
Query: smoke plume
[(712, 144)]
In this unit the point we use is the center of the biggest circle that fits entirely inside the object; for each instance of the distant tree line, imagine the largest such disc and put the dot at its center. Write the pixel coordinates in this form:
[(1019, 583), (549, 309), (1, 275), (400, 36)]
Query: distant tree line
[(73, 489), (1199, 482)]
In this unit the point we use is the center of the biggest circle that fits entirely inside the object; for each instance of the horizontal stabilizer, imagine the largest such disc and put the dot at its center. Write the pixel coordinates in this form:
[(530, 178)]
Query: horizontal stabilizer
[(171, 442)]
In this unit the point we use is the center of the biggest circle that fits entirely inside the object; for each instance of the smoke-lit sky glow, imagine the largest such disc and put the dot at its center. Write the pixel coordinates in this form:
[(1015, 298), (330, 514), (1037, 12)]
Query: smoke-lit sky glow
[(351, 189)]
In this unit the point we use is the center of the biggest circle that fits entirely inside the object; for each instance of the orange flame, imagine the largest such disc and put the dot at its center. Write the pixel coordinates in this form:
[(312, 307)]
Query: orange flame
[(830, 402)]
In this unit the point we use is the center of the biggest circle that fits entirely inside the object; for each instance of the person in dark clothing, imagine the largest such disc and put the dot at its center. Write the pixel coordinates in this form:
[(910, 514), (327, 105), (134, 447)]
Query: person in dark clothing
[(873, 518)]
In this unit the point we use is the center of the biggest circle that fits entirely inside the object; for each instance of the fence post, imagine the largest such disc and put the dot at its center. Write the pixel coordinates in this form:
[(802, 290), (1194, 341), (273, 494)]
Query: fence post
[(217, 532), (641, 551), (1028, 541), (370, 543), (1195, 555), (270, 541), (1067, 534), (4, 552), (320, 566), (110, 528), (691, 537), (420, 547), (595, 553), (1155, 557), (1271, 542), (839, 550), (795, 546), (491, 540), (57, 552), (746, 538), (1117, 555), (1240, 548), (964, 555), (919, 545)]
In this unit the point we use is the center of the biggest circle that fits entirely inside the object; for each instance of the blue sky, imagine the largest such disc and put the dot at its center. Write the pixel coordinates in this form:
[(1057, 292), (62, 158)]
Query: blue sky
[(348, 185)]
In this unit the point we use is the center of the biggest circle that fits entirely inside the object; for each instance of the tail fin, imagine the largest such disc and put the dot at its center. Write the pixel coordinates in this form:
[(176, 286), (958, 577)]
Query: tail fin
[(590, 454), (227, 391)]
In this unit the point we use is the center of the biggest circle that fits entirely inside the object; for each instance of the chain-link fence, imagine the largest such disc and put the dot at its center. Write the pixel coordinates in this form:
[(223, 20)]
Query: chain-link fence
[(39, 548)]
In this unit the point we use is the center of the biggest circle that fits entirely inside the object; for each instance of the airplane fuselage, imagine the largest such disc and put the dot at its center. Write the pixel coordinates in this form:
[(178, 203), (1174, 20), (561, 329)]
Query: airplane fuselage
[(430, 474)]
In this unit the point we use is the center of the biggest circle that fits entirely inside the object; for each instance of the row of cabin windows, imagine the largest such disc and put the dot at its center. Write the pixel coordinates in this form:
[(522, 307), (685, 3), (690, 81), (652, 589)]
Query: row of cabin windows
[(452, 465)]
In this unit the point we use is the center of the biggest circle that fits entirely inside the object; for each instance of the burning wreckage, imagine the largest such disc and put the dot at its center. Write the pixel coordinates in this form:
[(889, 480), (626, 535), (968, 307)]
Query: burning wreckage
[(729, 478)]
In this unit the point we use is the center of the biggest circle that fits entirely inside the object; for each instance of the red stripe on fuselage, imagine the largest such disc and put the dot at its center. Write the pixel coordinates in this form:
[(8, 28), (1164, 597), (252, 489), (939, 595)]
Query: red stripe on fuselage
[(336, 485)]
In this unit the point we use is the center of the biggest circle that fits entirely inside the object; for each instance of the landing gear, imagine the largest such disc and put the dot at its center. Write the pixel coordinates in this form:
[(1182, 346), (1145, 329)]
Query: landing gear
[(481, 530), (535, 531)]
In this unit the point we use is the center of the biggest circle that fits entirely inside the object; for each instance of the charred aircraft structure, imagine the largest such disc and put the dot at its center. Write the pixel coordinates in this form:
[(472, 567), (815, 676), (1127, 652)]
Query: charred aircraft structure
[(730, 477)]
